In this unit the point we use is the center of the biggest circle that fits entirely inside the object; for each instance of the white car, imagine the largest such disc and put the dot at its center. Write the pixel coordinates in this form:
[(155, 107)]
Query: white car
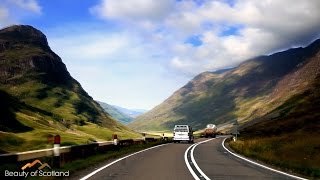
[(182, 133)]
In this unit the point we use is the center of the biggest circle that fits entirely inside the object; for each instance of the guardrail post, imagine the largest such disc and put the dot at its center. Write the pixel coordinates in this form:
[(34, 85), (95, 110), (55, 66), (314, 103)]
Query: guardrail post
[(144, 137), (56, 151), (115, 139)]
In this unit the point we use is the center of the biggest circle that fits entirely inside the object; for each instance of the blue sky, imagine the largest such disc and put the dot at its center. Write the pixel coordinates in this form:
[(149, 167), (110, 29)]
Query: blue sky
[(135, 54)]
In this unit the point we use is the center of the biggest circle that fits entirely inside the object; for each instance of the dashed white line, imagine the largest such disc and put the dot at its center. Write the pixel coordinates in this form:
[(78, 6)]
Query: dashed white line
[(260, 165)]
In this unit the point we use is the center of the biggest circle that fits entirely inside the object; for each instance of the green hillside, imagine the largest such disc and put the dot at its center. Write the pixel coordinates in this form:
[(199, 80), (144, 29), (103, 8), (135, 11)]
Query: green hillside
[(40, 98), (115, 113), (248, 92)]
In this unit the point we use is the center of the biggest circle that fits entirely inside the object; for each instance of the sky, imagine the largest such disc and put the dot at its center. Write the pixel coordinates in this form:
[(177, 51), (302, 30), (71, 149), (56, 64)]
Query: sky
[(136, 53)]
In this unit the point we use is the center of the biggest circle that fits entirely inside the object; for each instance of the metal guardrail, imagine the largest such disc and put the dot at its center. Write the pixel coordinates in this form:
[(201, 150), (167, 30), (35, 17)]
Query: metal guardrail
[(82, 149)]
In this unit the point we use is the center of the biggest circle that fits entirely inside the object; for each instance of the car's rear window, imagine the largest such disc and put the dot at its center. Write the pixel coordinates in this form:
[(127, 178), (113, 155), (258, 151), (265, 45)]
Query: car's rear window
[(181, 130)]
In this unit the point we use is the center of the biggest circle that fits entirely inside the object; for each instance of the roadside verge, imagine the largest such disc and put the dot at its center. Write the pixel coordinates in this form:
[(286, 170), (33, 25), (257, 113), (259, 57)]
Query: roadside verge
[(258, 164)]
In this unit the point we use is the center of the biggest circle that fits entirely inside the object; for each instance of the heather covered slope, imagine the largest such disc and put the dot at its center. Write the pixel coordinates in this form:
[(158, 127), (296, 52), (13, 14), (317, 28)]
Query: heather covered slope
[(39, 96), (288, 136), (248, 92)]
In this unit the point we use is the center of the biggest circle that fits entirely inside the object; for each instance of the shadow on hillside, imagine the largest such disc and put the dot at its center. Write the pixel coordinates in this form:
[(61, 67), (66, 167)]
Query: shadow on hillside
[(253, 79), (299, 113), (8, 121), (215, 108)]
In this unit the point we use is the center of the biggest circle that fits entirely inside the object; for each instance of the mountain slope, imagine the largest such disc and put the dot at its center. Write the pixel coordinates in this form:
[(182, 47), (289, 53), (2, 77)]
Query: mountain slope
[(249, 91), (288, 136), (41, 97), (133, 113), (115, 113)]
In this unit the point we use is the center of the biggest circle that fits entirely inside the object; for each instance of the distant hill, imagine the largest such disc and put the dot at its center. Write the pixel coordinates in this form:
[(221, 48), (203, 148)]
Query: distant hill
[(261, 88), (40, 98), (116, 113), (131, 112)]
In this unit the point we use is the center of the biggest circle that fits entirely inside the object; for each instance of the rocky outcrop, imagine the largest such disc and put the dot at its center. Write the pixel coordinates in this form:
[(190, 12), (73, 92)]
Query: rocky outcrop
[(15, 37), (25, 50)]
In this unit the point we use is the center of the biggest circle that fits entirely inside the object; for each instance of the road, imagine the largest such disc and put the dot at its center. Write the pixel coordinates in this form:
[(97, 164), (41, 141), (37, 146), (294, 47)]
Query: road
[(170, 162)]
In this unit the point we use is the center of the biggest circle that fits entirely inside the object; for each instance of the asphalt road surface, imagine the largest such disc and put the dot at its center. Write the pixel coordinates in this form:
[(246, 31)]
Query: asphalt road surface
[(174, 161)]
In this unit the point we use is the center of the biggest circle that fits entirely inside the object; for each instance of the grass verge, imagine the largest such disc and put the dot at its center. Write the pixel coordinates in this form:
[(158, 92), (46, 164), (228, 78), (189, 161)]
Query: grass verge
[(290, 152)]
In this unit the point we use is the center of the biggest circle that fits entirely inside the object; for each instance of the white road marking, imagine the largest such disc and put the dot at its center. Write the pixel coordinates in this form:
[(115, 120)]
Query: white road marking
[(280, 172), (98, 170), (188, 165), (193, 161)]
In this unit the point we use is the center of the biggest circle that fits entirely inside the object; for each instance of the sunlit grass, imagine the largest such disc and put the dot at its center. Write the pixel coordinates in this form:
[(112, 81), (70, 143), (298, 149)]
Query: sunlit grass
[(296, 152), (158, 133), (52, 110)]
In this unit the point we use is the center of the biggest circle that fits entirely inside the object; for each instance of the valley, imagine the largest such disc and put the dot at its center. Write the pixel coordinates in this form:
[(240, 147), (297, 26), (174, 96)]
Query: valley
[(41, 98), (274, 98)]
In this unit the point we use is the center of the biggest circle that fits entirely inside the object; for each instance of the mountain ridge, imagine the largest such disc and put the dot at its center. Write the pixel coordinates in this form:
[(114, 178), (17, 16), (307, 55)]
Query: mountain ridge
[(243, 93)]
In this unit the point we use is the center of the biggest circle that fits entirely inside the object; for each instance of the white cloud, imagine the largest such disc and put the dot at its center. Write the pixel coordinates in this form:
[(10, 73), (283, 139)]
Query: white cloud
[(3, 13), (30, 5), (127, 73), (4, 16), (92, 46), (133, 9), (148, 49), (262, 27), (283, 19), (14, 11), (265, 27)]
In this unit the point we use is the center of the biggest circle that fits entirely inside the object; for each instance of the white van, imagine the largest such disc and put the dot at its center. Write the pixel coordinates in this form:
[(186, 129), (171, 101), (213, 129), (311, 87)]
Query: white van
[(182, 133)]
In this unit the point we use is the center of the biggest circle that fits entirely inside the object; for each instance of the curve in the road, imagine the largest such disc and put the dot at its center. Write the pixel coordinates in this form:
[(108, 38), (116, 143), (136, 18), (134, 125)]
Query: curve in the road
[(206, 159), (113, 162), (191, 163), (260, 165)]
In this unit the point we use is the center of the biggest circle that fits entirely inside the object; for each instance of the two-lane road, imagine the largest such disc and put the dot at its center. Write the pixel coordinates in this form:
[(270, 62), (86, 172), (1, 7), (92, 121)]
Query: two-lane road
[(168, 162)]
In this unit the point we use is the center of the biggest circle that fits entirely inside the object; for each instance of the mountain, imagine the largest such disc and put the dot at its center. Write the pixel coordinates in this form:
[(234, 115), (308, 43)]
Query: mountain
[(260, 87), (40, 98), (133, 113), (115, 113)]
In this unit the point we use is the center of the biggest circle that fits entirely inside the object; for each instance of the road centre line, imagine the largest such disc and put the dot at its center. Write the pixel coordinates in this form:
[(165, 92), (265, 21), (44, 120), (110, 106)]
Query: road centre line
[(192, 147), (188, 165)]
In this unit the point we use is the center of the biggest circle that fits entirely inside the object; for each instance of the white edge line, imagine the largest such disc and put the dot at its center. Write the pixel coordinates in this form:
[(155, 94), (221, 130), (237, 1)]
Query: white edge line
[(194, 161), (96, 171), (280, 172), (188, 165)]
